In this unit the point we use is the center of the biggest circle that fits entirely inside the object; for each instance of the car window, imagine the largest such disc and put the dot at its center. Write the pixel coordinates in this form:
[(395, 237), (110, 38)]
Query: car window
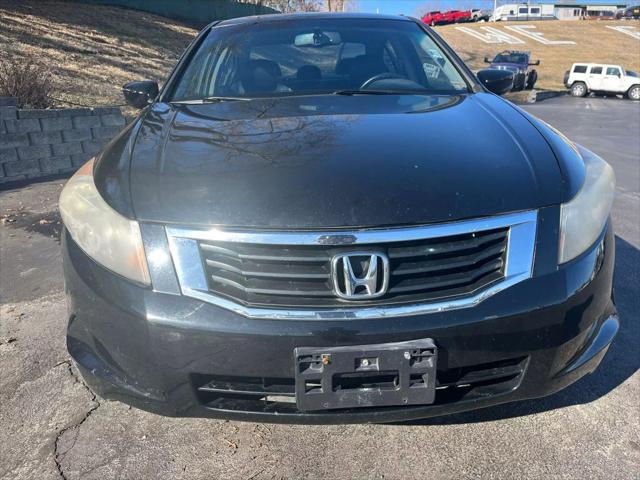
[(523, 10), (596, 71), (580, 69), (512, 57), (316, 56), (289, 58), (613, 71), (535, 10)]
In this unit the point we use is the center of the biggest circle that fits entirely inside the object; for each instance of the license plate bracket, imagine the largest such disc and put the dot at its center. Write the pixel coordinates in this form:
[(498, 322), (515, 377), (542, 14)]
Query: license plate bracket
[(379, 375)]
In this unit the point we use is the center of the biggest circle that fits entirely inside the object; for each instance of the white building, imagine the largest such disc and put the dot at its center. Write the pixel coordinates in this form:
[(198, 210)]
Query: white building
[(602, 11), (569, 11), (581, 11)]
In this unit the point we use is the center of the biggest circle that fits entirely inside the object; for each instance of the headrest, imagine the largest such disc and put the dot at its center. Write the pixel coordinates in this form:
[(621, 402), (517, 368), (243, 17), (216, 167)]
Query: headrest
[(272, 68), (309, 72)]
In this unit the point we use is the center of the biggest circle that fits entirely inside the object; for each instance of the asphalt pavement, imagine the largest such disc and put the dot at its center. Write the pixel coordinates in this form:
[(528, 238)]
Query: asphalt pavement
[(52, 426)]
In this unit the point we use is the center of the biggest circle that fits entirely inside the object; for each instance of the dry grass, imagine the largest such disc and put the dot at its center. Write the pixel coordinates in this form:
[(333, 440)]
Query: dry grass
[(91, 50), (26, 78), (594, 43)]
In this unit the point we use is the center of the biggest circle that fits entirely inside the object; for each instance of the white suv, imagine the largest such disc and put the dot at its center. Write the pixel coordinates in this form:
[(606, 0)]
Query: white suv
[(595, 77)]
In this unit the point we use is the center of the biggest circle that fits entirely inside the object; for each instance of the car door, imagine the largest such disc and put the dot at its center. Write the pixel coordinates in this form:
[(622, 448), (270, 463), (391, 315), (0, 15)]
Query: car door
[(612, 80), (594, 78)]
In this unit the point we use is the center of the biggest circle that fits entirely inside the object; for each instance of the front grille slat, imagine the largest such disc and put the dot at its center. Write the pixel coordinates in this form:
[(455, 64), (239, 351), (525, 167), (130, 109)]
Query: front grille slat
[(442, 281), (475, 241), (263, 257), (266, 274), (300, 275), (269, 291), (411, 268)]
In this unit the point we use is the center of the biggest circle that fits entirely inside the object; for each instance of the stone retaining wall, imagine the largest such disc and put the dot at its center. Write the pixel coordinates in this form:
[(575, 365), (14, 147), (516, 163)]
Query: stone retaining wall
[(38, 143)]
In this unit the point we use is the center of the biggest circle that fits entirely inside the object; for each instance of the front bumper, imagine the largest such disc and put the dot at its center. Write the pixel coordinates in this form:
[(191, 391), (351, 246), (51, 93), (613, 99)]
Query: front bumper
[(179, 356)]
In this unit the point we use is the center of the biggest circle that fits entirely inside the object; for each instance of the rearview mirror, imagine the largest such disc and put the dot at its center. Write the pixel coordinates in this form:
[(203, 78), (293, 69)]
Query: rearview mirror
[(140, 94), (317, 39), (486, 60), (496, 81), (537, 62)]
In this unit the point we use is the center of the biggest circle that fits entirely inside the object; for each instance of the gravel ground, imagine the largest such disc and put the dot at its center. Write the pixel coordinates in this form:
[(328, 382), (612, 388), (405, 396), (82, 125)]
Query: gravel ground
[(52, 426)]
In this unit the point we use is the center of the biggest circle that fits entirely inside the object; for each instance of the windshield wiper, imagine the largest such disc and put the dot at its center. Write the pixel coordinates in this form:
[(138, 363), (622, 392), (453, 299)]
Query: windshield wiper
[(212, 100), (224, 99), (368, 92), (381, 92)]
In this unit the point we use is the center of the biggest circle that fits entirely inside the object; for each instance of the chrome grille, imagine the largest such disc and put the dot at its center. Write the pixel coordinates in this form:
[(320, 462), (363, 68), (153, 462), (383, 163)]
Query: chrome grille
[(287, 275), (300, 276)]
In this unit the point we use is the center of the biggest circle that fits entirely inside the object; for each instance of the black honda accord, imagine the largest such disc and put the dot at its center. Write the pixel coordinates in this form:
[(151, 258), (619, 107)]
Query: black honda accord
[(330, 219)]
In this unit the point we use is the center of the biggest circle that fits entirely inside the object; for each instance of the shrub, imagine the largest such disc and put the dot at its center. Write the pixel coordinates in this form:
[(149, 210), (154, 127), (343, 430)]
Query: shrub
[(26, 79)]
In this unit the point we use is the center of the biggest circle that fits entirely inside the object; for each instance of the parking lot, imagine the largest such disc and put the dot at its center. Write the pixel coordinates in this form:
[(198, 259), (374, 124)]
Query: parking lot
[(52, 426)]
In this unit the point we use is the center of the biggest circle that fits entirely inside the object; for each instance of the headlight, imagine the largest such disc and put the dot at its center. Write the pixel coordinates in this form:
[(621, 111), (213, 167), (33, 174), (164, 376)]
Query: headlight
[(102, 233), (583, 218)]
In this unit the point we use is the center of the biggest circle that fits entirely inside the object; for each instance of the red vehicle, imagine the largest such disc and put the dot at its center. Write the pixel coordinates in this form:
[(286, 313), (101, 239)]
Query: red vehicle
[(433, 18), (456, 16)]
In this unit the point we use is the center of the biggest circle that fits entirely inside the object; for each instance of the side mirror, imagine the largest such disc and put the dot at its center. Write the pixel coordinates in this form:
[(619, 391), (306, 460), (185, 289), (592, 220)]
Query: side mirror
[(537, 62), (496, 81), (140, 94), (486, 60)]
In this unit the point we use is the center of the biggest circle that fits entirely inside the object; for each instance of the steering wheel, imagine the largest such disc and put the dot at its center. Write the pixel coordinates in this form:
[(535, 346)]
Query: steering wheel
[(379, 76)]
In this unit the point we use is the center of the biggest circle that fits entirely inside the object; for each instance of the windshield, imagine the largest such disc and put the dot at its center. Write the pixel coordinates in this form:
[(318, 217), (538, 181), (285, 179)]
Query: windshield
[(519, 58), (317, 56), (630, 73)]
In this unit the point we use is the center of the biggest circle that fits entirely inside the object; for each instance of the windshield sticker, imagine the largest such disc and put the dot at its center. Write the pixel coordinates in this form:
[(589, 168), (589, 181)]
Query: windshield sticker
[(431, 71)]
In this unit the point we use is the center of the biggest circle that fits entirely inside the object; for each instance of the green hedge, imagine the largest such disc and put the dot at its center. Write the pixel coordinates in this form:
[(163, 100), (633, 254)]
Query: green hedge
[(198, 12)]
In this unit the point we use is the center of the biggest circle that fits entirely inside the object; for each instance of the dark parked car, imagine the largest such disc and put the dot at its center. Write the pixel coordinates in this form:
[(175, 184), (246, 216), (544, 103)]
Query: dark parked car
[(270, 240), (518, 63), (631, 13)]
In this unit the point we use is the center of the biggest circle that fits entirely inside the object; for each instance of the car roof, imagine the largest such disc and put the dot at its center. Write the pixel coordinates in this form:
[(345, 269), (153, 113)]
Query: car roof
[(278, 17), (587, 64)]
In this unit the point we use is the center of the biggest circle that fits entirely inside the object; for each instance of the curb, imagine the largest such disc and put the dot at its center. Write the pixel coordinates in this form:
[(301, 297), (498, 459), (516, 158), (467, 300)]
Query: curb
[(541, 95)]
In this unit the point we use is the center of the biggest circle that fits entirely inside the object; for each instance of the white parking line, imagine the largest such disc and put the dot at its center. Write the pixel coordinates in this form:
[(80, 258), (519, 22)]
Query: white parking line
[(493, 36), (627, 30), (537, 36)]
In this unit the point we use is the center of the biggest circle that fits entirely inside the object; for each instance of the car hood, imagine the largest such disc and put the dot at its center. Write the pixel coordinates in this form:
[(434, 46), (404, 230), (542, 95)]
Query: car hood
[(328, 162)]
